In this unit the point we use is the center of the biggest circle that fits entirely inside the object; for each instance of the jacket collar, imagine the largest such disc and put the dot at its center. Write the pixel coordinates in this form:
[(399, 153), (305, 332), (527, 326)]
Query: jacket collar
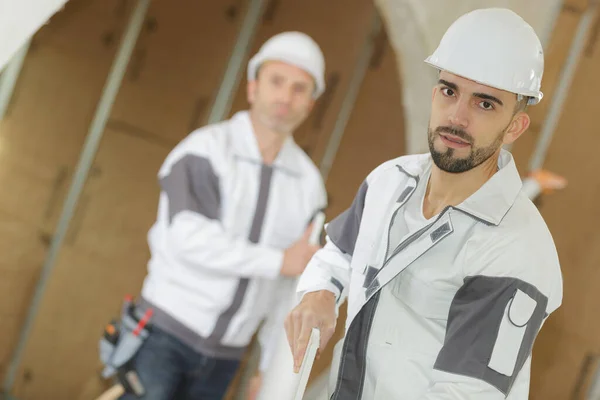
[(246, 146), (493, 200)]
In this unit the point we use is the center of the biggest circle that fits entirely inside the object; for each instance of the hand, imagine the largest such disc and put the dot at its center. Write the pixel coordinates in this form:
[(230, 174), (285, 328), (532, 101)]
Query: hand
[(296, 257), (316, 310), (254, 387)]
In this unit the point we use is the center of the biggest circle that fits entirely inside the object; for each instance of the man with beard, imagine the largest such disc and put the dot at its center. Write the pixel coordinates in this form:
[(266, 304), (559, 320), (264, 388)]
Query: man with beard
[(449, 269), (234, 214)]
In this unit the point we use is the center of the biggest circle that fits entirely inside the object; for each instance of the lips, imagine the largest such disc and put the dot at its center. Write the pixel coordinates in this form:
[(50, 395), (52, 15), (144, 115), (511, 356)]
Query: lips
[(454, 139), (454, 142)]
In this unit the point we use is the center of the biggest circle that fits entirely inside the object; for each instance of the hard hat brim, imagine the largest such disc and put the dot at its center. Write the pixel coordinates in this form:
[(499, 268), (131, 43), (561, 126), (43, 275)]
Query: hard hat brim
[(258, 60), (534, 97)]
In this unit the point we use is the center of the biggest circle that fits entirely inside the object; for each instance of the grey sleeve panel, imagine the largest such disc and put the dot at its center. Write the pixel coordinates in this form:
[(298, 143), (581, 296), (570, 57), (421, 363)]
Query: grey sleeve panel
[(192, 185), (473, 324), (343, 230)]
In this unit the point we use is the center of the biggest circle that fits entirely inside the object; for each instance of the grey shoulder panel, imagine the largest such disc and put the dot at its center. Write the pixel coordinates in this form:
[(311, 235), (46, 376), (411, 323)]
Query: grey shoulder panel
[(343, 230), (492, 325), (192, 185)]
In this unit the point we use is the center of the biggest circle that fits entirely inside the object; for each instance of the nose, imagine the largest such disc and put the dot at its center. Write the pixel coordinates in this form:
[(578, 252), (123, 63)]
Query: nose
[(459, 115), (285, 95)]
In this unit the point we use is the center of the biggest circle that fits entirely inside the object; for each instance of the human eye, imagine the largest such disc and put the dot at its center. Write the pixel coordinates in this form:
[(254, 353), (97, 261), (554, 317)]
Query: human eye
[(446, 91), (486, 105)]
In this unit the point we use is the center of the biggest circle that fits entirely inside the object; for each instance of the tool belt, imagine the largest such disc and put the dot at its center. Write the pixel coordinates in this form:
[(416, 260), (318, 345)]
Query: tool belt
[(120, 343)]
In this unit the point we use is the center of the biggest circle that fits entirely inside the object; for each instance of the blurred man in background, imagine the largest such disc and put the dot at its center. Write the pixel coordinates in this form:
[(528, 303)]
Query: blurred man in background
[(233, 222)]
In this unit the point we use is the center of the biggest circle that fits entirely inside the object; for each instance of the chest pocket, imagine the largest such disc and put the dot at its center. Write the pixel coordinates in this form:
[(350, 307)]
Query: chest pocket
[(422, 297)]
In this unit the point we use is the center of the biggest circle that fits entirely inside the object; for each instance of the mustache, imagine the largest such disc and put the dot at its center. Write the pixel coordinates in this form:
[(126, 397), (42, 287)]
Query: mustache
[(454, 131)]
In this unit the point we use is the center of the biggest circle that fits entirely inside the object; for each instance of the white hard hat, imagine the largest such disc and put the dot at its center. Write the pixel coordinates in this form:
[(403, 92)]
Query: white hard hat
[(495, 47), (295, 48)]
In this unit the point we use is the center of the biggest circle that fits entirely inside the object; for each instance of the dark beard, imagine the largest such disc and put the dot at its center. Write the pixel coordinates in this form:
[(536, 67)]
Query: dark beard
[(446, 161)]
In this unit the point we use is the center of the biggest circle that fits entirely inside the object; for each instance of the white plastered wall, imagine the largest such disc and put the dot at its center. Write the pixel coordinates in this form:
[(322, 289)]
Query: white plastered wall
[(19, 20), (415, 28)]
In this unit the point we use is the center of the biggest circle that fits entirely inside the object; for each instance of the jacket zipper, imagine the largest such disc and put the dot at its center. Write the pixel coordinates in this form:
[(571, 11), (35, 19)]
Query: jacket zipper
[(387, 244), (410, 240)]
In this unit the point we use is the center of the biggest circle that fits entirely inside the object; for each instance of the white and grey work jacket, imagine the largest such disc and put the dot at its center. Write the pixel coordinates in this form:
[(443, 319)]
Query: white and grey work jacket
[(452, 311), (223, 221)]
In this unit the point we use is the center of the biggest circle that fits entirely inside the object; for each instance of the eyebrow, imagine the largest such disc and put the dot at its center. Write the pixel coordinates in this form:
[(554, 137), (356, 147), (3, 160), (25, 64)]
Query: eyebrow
[(451, 85), (488, 97), (483, 96)]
